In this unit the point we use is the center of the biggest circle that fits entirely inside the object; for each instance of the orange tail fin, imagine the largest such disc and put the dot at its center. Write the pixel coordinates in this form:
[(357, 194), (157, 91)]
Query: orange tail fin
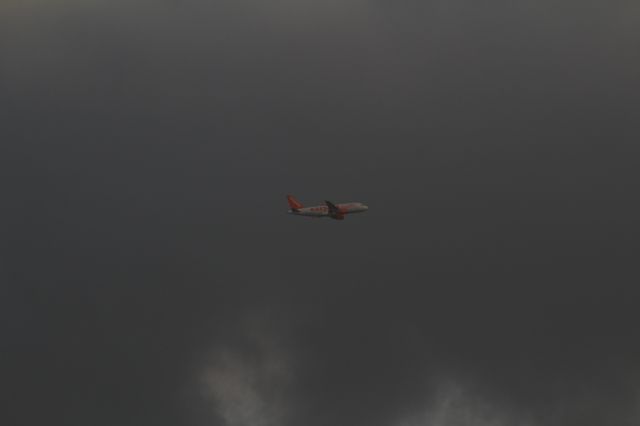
[(293, 203)]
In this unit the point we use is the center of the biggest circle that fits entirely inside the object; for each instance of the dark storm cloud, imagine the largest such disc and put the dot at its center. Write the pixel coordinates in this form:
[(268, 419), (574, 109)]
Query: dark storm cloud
[(152, 277)]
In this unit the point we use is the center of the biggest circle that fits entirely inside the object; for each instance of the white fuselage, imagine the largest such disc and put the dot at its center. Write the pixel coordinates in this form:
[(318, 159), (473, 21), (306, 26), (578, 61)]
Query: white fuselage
[(323, 211)]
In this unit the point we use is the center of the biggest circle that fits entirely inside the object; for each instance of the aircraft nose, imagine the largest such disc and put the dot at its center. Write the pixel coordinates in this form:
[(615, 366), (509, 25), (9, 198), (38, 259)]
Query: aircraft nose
[(365, 207)]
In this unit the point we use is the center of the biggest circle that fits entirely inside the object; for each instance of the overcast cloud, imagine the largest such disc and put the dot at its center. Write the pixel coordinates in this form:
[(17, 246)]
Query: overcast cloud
[(150, 275)]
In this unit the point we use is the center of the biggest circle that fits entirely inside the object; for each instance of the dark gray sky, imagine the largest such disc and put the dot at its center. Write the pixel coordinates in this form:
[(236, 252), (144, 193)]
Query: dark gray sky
[(150, 276)]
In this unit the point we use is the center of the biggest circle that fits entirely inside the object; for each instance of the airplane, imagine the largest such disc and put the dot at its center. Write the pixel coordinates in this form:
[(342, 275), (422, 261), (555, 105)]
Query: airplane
[(334, 211)]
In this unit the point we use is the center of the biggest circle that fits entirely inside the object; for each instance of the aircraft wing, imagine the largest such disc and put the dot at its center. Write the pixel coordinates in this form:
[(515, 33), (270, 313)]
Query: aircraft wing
[(333, 209)]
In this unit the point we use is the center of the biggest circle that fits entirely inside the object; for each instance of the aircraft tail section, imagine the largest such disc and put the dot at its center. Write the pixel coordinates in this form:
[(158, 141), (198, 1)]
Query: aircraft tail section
[(293, 203)]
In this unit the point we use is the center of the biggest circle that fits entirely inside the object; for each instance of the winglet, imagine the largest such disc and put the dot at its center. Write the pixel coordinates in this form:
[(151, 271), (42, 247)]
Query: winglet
[(293, 203)]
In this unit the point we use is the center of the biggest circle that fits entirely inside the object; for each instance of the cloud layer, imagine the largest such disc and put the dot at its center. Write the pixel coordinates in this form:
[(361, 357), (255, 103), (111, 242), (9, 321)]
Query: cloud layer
[(152, 277)]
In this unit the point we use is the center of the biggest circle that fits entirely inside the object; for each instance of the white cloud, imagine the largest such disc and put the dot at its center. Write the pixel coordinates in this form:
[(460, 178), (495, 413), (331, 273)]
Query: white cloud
[(248, 385), (454, 405)]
